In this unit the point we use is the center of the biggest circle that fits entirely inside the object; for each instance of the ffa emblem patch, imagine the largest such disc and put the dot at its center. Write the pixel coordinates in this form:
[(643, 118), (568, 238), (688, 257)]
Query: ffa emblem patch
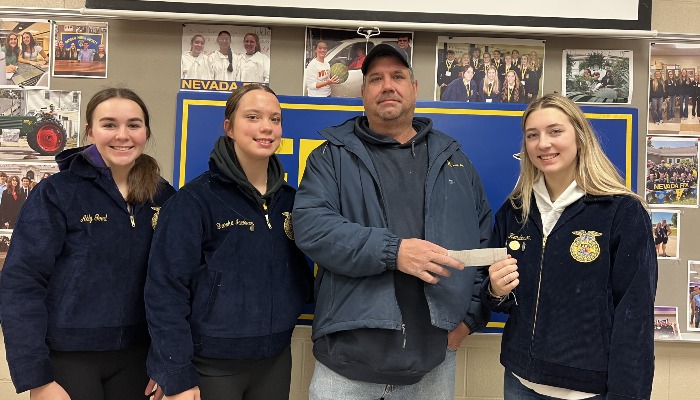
[(288, 229), (515, 245), (585, 248), (154, 219)]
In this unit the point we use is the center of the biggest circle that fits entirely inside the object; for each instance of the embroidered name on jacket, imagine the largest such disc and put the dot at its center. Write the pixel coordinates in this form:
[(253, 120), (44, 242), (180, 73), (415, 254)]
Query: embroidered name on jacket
[(237, 222), (585, 248), (87, 218), (517, 242)]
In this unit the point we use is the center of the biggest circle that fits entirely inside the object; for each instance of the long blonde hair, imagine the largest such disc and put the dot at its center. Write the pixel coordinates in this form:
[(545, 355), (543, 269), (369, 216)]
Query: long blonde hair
[(595, 174)]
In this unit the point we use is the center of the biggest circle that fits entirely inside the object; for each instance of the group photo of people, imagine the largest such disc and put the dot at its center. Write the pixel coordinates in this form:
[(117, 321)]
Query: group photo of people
[(666, 323), (16, 182), (674, 89), (597, 76), (80, 49), (672, 171), (27, 53), (488, 70), (226, 53), (333, 58), (666, 231)]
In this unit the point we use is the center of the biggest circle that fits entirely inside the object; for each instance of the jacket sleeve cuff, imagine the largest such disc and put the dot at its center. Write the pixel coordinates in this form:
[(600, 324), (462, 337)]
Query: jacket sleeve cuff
[(32, 376), (178, 381), (392, 250)]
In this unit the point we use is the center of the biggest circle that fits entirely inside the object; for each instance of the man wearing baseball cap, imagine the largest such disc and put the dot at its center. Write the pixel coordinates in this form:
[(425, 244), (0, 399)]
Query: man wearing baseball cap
[(380, 203)]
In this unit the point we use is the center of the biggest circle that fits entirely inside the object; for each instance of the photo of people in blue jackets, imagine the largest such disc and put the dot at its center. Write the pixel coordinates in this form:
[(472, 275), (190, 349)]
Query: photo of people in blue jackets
[(72, 287), (226, 281), (455, 54)]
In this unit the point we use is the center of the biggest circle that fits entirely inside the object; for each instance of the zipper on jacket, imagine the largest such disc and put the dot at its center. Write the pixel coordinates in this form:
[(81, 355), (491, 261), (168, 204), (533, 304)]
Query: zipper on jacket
[(539, 285), (267, 216), (403, 330), (131, 216)]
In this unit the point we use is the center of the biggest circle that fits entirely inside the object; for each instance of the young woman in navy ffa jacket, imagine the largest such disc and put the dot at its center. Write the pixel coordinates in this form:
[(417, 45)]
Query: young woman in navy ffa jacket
[(580, 278), (71, 291), (226, 281)]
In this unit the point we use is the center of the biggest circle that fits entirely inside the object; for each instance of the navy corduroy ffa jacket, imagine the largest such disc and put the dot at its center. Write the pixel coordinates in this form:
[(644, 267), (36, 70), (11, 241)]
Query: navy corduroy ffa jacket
[(74, 275)]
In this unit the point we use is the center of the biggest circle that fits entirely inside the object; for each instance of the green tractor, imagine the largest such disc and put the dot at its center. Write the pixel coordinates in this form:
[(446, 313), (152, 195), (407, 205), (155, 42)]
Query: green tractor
[(44, 133)]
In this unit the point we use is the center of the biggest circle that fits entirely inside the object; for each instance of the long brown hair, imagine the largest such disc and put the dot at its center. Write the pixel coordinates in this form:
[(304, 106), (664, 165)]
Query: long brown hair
[(144, 179)]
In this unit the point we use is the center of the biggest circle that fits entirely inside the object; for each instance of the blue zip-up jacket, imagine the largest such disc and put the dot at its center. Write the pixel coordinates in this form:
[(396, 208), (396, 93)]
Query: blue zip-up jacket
[(584, 318), (75, 271), (340, 223), (222, 283)]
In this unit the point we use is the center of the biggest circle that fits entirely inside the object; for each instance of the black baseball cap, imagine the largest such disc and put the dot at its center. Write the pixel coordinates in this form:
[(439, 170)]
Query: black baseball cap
[(383, 49)]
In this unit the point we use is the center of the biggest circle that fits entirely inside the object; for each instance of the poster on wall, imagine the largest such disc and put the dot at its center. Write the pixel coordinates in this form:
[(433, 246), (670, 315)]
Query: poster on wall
[(666, 229), (333, 58), (37, 124), (694, 295), (674, 73), (488, 70), (17, 180), (221, 57), (597, 76), (26, 46), (666, 323), (672, 171), (80, 50)]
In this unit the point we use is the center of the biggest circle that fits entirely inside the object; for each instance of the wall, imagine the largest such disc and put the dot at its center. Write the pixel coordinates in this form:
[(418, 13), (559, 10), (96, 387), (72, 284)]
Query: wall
[(144, 54)]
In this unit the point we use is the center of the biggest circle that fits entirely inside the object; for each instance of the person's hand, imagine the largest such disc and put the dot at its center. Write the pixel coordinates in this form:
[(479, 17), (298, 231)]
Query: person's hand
[(503, 276), (11, 68), (424, 260), (152, 389), (454, 338), (50, 391), (334, 79), (192, 394)]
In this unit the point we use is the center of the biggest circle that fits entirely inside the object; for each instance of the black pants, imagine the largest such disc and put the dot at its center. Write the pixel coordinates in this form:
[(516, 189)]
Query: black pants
[(102, 375), (267, 379)]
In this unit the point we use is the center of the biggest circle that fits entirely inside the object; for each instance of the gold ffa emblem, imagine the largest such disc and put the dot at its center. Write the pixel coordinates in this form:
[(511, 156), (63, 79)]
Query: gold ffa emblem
[(288, 229), (585, 248), (154, 219)]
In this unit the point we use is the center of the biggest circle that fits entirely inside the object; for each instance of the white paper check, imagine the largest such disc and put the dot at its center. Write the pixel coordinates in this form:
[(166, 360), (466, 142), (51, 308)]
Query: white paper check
[(478, 257)]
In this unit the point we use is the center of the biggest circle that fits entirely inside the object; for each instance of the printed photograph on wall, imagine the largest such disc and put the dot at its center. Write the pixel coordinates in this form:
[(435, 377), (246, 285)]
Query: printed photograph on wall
[(80, 50), (489, 70), (16, 181), (597, 76), (37, 124), (5, 236), (666, 323), (215, 57), (333, 58), (694, 295), (26, 52), (674, 89), (666, 228), (672, 171)]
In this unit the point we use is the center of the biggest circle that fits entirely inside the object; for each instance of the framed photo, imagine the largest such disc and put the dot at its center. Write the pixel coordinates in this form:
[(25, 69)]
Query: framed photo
[(672, 171), (28, 51), (666, 323), (80, 50), (597, 76), (666, 228)]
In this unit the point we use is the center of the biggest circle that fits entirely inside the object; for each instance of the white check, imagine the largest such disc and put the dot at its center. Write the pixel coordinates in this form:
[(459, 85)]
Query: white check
[(478, 257)]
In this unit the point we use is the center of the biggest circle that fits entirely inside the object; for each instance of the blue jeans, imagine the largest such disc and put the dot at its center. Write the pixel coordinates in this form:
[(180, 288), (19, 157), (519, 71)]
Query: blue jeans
[(438, 384), (684, 105), (514, 390), (671, 109), (656, 108)]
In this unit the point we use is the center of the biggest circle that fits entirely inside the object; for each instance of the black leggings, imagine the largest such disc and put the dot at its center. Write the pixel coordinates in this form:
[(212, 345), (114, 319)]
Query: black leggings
[(267, 379), (102, 375)]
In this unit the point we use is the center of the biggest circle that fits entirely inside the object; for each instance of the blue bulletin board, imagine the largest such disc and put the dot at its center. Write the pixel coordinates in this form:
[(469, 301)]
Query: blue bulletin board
[(489, 133)]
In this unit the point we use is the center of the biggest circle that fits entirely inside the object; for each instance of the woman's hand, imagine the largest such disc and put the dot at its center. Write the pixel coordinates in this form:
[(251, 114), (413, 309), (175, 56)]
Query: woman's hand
[(50, 391), (503, 276), (192, 394)]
